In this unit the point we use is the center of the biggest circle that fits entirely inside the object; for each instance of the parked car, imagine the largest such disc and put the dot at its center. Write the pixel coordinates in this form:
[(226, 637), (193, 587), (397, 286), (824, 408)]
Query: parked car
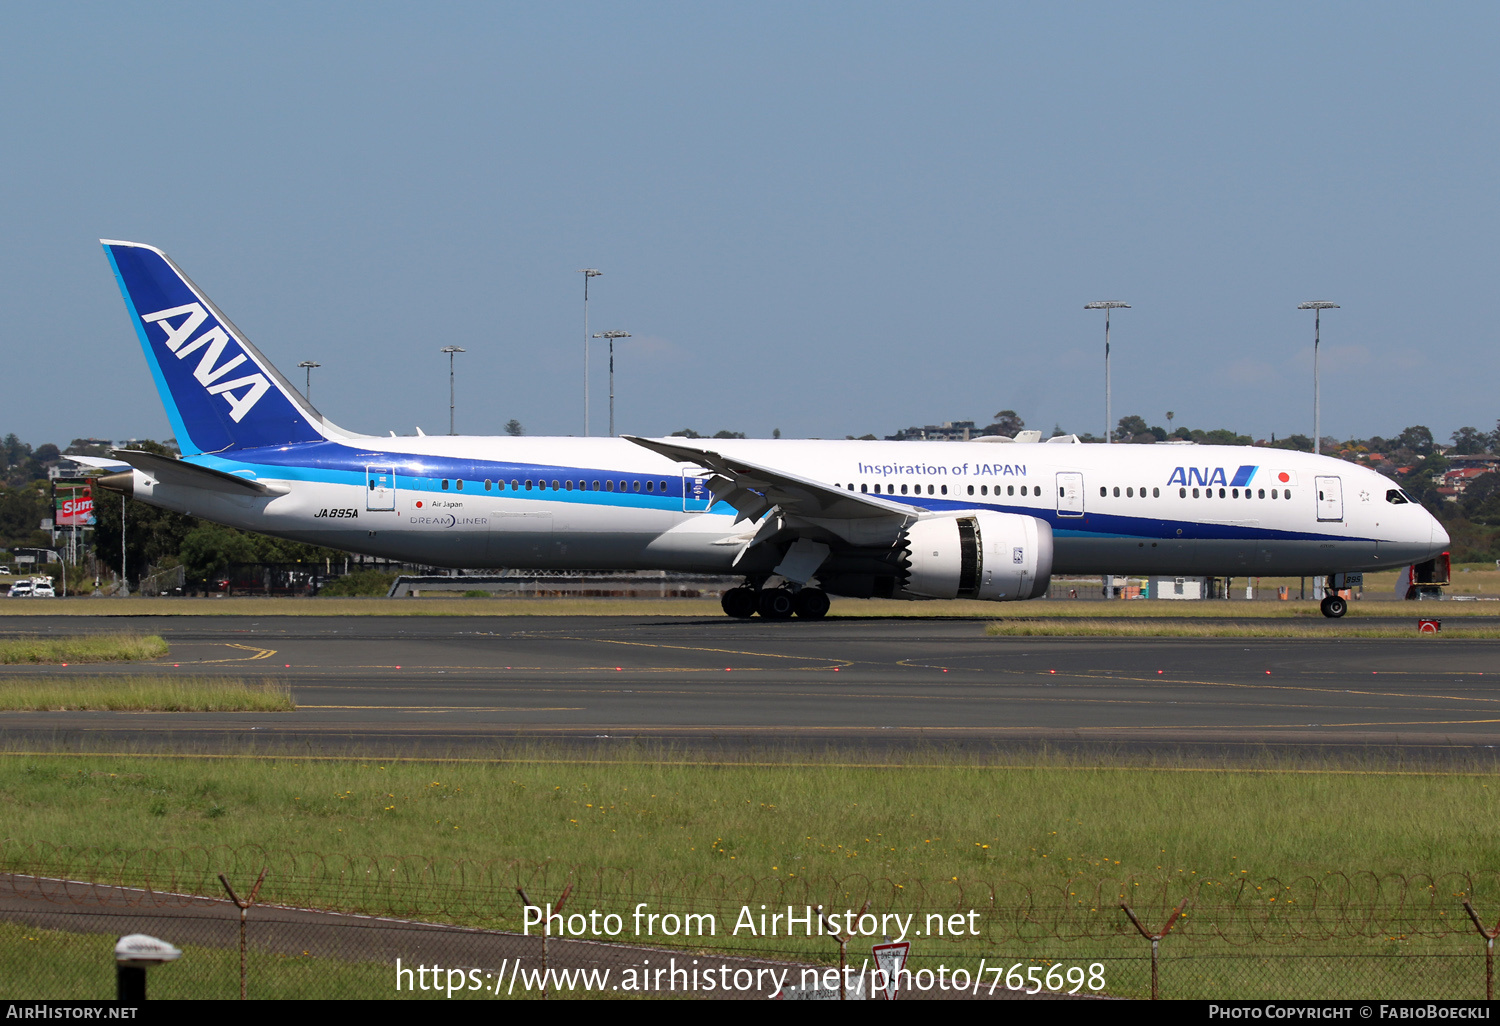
[(42, 589), (21, 589)]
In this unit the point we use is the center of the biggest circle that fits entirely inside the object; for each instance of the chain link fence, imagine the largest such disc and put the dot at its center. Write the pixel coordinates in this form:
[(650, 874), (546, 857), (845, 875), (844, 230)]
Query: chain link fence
[(335, 926)]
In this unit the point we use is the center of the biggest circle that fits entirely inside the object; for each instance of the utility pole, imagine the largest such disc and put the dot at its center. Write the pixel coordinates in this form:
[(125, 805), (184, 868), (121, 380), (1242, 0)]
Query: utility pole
[(450, 350), (309, 365), (1317, 306), (612, 335), (587, 272), (1107, 306)]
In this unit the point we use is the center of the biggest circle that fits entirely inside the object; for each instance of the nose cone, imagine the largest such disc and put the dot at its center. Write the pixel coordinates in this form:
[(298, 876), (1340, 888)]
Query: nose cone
[(1439, 536)]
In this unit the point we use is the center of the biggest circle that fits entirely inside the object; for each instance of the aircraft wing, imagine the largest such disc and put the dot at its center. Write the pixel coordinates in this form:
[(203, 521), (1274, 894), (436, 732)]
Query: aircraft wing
[(190, 475), (753, 489)]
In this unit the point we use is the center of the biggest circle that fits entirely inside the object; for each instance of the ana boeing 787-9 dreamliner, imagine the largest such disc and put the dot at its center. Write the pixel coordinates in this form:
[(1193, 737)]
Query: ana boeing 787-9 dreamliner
[(799, 520)]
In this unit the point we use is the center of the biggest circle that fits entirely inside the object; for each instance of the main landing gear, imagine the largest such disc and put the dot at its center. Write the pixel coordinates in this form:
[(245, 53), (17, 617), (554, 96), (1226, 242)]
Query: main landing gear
[(775, 603)]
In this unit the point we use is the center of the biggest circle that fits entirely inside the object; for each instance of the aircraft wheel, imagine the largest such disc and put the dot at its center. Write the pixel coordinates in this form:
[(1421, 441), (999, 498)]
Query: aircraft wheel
[(1333, 606), (739, 603), (776, 603), (812, 603)]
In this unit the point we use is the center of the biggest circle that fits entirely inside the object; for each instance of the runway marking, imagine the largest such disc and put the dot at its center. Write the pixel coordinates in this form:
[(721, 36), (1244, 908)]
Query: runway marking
[(705, 648), (456, 708), (260, 653)]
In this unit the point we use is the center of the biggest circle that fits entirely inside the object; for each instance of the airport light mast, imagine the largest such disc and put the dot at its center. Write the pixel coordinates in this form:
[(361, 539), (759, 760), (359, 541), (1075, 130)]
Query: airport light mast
[(612, 335), (1107, 306), (308, 365), (1317, 306), (450, 350), (587, 272)]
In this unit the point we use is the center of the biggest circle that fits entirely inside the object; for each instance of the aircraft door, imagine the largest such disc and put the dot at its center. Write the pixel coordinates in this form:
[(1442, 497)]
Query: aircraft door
[(696, 497), (1069, 494), (1330, 498), (380, 488)]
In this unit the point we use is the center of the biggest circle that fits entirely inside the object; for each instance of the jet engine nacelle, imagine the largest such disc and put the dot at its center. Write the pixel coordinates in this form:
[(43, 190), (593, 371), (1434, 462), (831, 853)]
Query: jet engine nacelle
[(1002, 557)]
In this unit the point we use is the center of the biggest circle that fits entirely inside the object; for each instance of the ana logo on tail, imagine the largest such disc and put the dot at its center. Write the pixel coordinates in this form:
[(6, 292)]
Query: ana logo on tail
[(210, 370)]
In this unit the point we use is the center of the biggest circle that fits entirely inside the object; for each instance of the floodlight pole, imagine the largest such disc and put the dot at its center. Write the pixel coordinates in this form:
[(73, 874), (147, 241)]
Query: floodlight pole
[(1317, 306), (612, 335), (1107, 306), (587, 272), (309, 365), (450, 350)]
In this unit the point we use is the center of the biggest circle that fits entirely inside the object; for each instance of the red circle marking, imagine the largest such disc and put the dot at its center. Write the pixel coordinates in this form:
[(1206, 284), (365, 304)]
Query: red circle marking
[(1283, 477), (419, 505)]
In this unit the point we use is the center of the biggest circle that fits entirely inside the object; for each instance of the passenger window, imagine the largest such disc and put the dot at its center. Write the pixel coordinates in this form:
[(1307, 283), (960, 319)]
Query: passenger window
[(1117, 491), (460, 485), (1195, 493), (1395, 498), (664, 487), (1103, 492), (984, 489), (971, 489), (554, 486), (528, 484), (609, 486), (1011, 490), (596, 486), (1223, 494), (1155, 492), (903, 489), (568, 485), (1262, 493), (1130, 493), (1286, 493), (1273, 493), (486, 484), (635, 486), (650, 485), (866, 488), (1182, 493), (445, 484), (622, 486), (945, 489), (931, 489), (515, 485)]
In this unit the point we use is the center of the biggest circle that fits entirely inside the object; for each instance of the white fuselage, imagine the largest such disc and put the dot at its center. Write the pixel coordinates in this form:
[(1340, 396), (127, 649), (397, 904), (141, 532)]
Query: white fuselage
[(606, 503)]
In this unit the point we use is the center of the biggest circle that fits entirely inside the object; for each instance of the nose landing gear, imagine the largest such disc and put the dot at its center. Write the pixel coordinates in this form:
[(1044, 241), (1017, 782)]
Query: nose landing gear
[(1333, 606)]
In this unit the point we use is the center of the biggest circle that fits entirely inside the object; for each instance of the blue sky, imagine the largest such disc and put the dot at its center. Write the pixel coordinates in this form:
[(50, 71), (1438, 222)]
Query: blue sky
[(823, 218)]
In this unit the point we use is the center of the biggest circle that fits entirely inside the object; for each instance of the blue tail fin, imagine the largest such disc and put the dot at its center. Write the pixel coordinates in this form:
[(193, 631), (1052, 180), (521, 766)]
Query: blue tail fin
[(220, 392)]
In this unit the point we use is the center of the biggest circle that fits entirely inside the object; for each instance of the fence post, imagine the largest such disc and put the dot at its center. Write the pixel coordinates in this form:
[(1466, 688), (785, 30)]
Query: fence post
[(1155, 938), (1489, 950), (243, 905), (832, 929), (527, 902)]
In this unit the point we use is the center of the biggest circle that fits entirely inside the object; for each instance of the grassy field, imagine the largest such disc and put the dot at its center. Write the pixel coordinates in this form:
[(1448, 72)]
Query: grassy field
[(95, 648), (1044, 850), (62, 966), (144, 693)]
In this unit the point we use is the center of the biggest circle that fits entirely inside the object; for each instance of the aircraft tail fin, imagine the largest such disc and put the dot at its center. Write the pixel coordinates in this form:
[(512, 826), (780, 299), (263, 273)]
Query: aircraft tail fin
[(219, 391)]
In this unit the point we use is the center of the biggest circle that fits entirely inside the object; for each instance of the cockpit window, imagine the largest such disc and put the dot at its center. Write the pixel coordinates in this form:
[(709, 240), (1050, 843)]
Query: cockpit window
[(1396, 497)]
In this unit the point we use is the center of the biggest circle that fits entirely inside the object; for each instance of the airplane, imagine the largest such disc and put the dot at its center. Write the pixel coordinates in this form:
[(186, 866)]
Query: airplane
[(799, 520)]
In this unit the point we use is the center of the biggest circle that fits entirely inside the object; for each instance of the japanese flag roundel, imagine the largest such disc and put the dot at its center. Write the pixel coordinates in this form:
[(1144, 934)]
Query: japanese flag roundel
[(1284, 477)]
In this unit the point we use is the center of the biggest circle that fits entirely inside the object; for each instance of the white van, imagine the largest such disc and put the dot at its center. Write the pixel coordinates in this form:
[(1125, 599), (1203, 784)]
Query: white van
[(21, 589), (42, 589)]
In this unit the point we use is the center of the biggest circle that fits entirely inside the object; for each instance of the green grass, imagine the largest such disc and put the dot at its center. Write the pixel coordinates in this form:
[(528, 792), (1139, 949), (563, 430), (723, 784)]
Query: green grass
[(143, 694), (59, 966), (1171, 629), (1363, 863), (88, 648)]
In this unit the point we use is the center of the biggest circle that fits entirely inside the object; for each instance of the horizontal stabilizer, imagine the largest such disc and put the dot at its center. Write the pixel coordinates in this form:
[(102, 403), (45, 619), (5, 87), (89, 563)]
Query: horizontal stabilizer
[(189, 475)]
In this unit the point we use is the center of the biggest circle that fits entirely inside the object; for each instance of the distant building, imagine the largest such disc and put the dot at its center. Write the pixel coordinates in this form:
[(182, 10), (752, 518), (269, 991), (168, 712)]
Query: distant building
[(949, 431)]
